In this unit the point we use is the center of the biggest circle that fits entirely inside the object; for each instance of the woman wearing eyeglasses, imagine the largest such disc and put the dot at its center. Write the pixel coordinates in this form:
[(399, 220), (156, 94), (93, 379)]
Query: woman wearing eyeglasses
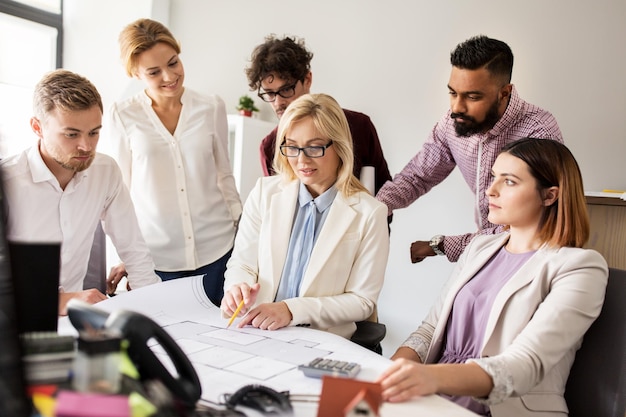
[(312, 244)]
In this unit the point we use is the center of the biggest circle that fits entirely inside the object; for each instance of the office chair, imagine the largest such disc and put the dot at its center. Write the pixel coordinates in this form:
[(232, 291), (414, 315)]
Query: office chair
[(597, 382), (97, 270), (369, 333)]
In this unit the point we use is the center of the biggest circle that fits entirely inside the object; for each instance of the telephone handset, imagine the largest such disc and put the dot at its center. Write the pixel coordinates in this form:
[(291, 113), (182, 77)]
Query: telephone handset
[(260, 398), (138, 329)]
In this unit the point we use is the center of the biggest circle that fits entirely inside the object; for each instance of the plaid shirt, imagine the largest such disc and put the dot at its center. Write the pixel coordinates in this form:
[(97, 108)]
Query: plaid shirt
[(474, 155)]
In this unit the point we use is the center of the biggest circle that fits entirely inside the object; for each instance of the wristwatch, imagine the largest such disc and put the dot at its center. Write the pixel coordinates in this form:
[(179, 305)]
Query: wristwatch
[(434, 243)]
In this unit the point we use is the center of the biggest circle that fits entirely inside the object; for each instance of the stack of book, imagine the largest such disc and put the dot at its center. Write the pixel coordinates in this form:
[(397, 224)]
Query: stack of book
[(47, 357)]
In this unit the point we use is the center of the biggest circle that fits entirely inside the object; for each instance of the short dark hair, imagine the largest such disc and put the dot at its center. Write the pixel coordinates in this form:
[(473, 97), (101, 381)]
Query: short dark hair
[(483, 52), (286, 58)]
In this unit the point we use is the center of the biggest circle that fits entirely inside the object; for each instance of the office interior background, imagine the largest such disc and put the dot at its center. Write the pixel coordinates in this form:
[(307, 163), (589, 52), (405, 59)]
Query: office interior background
[(390, 60)]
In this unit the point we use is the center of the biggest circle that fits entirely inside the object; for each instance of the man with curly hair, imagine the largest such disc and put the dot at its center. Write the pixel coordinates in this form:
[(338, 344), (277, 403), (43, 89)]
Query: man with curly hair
[(280, 72)]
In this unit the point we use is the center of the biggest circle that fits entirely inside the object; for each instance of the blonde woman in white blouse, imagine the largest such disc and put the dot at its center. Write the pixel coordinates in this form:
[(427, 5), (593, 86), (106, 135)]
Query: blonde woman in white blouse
[(171, 145)]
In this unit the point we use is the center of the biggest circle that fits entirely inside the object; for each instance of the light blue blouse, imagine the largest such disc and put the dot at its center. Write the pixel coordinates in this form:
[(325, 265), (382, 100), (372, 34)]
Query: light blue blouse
[(289, 286)]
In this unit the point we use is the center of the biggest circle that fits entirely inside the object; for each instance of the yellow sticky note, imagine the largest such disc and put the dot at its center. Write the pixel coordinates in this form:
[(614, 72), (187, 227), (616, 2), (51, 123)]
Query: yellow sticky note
[(44, 404), (127, 367), (140, 406)]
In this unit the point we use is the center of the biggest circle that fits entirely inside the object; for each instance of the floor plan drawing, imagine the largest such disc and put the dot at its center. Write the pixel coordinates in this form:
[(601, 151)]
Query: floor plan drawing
[(224, 358)]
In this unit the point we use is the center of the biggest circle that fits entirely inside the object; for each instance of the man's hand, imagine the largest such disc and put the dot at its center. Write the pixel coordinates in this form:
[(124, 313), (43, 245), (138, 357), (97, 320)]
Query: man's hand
[(90, 296), (420, 249), (115, 276)]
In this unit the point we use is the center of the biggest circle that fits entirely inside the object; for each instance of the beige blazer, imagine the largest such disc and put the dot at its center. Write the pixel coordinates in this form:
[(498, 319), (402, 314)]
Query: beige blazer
[(535, 326), (346, 270)]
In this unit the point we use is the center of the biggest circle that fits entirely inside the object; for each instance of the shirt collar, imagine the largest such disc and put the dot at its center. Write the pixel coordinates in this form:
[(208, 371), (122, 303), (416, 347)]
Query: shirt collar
[(147, 100), (322, 202), (38, 168), (510, 114)]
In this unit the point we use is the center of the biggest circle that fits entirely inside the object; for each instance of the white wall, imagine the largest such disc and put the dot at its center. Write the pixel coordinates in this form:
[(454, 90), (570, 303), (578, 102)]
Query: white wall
[(391, 60)]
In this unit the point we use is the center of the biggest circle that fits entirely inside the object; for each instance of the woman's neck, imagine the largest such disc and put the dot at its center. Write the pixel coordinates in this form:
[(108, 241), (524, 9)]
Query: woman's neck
[(168, 110), (166, 103), (523, 240)]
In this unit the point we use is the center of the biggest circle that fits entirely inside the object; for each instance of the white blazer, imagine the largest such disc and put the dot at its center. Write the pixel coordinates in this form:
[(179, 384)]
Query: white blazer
[(346, 270), (535, 326)]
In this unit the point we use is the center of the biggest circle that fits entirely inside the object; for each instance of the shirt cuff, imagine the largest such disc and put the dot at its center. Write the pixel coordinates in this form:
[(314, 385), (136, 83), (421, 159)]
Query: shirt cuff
[(502, 379), (418, 345)]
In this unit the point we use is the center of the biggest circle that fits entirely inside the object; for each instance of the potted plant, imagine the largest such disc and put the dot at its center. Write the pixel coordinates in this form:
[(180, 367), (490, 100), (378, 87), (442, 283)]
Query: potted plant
[(246, 106)]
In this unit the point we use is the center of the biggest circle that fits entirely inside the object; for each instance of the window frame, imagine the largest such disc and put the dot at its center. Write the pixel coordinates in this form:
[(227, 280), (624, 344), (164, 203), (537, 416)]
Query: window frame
[(41, 16)]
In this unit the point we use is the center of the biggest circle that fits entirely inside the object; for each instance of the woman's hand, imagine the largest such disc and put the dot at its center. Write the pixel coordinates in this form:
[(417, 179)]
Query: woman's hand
[(268, 316), (235, 294), (406, 379)]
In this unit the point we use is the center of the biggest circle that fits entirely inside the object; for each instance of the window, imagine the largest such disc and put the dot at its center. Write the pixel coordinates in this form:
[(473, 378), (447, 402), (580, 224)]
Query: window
[(31, 39)]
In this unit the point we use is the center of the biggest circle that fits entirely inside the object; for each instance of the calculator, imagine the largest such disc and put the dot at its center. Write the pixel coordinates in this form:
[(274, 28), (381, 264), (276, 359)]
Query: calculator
[(319, 367)]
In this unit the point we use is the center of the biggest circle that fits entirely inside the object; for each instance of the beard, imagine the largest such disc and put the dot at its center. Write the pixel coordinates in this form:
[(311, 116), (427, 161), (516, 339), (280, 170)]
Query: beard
[(471, 126), (69, 163), (75, 166)]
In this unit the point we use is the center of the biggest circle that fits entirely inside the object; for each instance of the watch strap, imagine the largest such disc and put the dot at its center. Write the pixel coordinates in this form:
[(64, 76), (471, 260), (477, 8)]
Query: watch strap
[(435, 241)]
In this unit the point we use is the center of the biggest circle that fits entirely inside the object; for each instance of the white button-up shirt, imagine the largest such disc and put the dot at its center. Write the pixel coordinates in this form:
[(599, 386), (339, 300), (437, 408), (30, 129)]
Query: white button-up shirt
[(182, 184), (38, 210)]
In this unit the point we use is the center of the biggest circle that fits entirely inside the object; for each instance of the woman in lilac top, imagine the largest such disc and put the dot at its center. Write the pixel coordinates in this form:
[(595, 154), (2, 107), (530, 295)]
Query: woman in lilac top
[(502, 337)]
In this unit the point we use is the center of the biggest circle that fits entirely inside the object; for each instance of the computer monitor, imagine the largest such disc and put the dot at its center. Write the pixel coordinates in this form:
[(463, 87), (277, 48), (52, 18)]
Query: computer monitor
[(14, 401), (35, 273)]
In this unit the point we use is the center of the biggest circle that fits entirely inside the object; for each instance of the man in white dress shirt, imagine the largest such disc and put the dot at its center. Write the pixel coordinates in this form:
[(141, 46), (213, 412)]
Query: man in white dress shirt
[(60, 189)]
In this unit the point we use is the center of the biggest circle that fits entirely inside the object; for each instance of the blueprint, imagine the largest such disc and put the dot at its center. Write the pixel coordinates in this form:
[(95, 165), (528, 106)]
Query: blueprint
[(225, 359)]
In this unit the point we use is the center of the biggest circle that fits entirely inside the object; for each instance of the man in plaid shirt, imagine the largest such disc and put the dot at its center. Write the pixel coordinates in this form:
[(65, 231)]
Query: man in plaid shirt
[(485, 113)]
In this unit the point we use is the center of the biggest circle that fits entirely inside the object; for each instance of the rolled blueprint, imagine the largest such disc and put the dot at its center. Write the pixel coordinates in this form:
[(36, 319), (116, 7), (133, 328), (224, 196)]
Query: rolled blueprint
[(367, 178)]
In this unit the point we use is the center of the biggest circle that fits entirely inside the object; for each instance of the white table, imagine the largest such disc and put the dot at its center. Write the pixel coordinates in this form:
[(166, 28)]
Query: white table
[(226, 359)]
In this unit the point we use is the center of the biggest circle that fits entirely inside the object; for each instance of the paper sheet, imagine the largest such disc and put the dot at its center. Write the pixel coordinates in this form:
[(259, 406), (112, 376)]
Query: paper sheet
[(368, 179), (227, 359), (609, 194)]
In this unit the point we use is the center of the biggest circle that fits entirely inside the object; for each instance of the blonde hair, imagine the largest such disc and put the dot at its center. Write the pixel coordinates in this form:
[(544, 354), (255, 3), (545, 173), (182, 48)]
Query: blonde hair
[(66, 91), (140, 36), (330, 121)]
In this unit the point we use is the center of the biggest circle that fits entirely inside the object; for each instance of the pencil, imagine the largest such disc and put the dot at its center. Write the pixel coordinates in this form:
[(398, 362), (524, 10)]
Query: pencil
[(232, 318)]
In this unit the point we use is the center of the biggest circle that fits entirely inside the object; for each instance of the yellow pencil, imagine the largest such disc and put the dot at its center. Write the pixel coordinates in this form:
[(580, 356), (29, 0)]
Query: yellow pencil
[(232, 318)]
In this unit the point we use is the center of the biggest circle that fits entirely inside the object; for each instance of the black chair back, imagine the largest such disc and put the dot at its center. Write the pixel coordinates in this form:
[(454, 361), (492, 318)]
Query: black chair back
[(369, 334), (597, 382)]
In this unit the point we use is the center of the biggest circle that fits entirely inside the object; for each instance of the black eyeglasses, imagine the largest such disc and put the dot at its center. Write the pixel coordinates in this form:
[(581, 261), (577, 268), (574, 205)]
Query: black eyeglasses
[(287, 91), (309, 151)]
